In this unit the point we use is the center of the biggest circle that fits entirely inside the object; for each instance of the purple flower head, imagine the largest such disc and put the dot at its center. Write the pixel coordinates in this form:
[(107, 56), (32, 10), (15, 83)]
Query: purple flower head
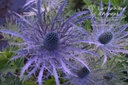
[(49, 42), (80, 78), (109, 34), (82, 75), (83, 72)]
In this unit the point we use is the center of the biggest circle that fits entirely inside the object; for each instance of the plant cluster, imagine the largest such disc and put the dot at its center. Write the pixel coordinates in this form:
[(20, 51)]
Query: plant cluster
[(54, 45)]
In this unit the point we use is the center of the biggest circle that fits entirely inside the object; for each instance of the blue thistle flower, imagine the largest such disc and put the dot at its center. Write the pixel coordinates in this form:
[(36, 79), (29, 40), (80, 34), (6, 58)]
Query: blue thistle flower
[(80, 78), (109, 34), (83, 72), (82, 75), (49, 42)]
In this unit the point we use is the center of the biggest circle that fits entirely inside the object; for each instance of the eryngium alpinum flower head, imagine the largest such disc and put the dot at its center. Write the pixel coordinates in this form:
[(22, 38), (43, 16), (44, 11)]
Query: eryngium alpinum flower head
[(82, 75), (109, 34), (49, 42)]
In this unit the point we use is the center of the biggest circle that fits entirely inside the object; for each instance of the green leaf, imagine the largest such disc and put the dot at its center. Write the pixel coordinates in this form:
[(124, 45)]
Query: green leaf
[(50, 81), (29, 83), (18, 63), (88, 2), (3, 62), (10, 80)]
